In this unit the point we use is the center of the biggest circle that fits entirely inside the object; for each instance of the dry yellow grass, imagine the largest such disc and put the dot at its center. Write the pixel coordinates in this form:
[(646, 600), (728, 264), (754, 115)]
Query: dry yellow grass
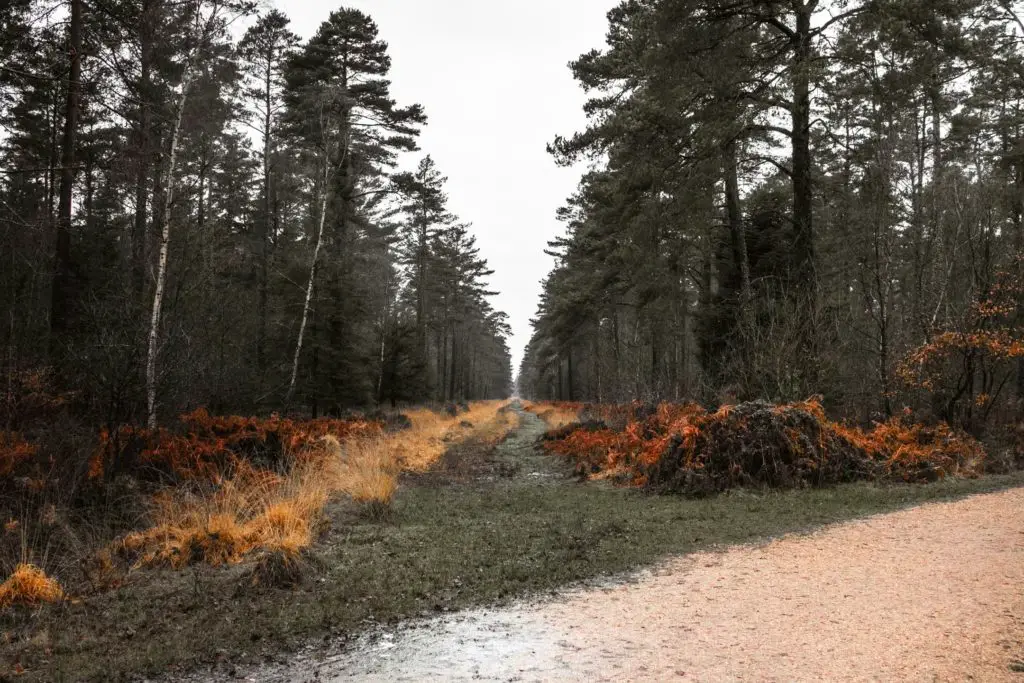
[(29, 585), (364, 469), (257, 511), (223, 527), (493, 428), (555, 415)]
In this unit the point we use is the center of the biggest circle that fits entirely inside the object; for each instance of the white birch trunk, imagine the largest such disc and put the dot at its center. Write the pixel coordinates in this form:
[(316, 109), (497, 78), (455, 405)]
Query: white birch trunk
[(384, 336), (327, 179), (161, 273), (309, 286)]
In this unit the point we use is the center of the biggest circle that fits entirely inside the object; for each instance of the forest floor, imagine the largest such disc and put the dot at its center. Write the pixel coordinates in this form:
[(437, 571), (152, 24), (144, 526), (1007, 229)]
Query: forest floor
[(491, 525)]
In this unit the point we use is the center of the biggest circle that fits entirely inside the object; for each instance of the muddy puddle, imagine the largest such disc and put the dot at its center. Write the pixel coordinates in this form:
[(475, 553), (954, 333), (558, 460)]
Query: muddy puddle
[(521, 643)]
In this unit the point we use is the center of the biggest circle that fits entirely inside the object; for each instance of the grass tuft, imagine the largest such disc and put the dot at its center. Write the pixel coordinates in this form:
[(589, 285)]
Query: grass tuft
[(29, 585), (278, 569)]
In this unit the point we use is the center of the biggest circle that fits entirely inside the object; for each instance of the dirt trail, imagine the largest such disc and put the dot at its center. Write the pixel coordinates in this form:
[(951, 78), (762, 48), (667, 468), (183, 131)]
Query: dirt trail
[(931, 593)]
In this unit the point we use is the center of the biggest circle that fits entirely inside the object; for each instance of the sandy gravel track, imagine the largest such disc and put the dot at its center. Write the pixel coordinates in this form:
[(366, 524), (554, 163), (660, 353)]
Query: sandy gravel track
[(931, 593)]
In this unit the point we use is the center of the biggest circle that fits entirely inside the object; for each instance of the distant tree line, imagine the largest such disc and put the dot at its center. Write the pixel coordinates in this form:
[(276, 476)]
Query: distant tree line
[(793, 197), (189, 220)]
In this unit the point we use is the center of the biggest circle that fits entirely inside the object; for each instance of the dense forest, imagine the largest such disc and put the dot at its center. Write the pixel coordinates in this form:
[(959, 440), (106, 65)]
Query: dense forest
[(197, 208), (799, 197)]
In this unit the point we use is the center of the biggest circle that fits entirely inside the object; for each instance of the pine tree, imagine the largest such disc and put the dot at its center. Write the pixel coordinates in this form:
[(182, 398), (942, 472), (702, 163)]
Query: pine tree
[(340, 111), (426, 206), (265, 50)]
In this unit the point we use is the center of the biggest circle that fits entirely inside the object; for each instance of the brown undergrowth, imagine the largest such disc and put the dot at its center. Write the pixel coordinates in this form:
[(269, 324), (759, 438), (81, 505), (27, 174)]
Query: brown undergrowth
[(556, 414), (685, 448), (210, 490), (271, 512)]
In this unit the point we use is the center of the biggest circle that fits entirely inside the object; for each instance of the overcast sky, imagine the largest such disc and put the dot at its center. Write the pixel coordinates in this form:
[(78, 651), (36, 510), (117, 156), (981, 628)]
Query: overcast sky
[(493, 78)]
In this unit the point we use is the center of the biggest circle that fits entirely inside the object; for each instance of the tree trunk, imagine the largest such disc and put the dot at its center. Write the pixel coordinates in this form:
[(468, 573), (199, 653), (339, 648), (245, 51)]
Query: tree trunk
[(1018, 238), (165, 238), (684, 350), (421, 284), (314, 394), (734, 210), (883, 327), (61, 294), (803, 204), (142, 169), (201, 197), (443, 371), (803, 194), (52, 161), (569, 377), (616, 354), (655, 381), (309, 285), (937, 160), (454, 365), (384, 318), (673, 355), (264, 233), (559, 395)]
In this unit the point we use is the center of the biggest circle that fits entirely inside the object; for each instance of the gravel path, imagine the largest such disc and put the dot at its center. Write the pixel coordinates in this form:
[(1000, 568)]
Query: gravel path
[(931, 593)]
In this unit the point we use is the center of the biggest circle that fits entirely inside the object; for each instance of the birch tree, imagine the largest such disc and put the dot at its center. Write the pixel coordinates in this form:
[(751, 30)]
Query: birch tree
[(329, 169), (209, 19)]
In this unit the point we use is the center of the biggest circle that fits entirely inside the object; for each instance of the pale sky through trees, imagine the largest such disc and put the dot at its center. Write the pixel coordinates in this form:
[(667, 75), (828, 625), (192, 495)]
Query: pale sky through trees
[(494, 80)]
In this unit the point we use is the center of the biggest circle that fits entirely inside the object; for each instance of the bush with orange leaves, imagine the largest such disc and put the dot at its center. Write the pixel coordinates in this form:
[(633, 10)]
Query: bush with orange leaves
[(206, 448), (29, 585), (29, 407), (684, 448), (967, 367)]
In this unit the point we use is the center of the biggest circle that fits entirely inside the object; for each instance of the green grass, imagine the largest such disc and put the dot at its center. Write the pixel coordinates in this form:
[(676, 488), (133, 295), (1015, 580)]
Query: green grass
[(444, 547)]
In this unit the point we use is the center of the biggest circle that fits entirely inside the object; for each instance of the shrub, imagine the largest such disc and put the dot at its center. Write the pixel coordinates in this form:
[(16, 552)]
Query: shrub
[(209, 448), (684, 448), (967, 368)]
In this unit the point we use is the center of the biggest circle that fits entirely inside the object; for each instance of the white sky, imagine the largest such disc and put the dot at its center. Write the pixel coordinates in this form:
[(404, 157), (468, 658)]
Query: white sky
[(493, 78)]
